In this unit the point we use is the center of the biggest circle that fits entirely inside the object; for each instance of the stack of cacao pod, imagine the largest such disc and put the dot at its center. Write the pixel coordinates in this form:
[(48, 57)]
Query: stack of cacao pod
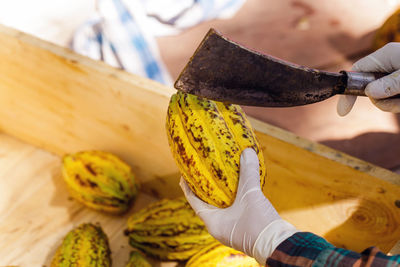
[(101, 181), (170, 230), (206, 139)]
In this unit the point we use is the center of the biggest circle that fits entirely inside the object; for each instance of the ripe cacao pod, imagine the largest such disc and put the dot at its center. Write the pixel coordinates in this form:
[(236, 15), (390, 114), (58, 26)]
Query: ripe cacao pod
[(86, 245), (100, 180), (168, 230), (137, 260), (218, 255), (207, 138)]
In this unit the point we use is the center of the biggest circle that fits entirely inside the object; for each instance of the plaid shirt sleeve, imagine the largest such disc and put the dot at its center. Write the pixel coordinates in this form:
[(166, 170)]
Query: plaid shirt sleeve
[(307, 249)]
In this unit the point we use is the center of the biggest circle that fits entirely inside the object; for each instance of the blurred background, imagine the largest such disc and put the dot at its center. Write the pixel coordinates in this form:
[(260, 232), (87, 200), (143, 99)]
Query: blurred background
[(323, 34)]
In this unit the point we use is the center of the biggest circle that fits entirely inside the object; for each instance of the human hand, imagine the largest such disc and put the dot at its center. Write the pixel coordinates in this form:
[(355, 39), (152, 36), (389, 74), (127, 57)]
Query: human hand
[(251, 224), (386, 59)]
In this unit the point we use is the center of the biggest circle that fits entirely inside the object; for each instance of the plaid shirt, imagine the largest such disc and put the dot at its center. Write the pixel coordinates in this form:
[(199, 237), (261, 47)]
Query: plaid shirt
[(307, 249), (122, 32)]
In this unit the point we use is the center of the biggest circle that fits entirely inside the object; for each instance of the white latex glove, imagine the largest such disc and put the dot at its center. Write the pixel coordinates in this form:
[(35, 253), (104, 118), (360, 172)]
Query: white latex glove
[(251, 224), (386, 59)]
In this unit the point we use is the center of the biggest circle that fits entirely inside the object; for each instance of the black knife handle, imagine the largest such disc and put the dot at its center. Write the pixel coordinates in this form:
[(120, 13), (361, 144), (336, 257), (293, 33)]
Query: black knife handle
[(357, 81)]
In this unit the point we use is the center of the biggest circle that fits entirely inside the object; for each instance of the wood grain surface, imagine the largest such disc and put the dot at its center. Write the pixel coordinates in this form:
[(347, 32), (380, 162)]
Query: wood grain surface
[(351, 203), (36, 211)]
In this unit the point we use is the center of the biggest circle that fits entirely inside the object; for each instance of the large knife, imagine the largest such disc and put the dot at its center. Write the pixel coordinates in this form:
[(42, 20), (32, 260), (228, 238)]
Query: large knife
[(223, 70)]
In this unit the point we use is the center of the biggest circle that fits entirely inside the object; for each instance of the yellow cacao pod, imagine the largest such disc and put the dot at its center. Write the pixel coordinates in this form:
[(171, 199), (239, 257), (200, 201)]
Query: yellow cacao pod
[(218, 255), (207, 138), (168, 230), (137, 260), (388, 32), (86, 245), (100, 180)]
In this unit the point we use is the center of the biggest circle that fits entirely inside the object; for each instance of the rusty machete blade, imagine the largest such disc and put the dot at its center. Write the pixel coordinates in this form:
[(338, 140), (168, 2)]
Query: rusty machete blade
[(226, 71)]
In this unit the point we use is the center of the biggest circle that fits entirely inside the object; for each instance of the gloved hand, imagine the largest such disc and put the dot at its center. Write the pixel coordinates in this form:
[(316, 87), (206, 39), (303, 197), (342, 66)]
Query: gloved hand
[(251, 224), (386, 59)]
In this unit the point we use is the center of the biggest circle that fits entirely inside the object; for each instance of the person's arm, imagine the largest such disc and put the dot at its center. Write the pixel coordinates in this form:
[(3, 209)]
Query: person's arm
[(252, 225), (307, 249), (386, 59)]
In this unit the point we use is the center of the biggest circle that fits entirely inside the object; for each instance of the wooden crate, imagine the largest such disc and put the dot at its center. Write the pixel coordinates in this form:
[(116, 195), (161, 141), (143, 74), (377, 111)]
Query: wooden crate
[(54, 101)]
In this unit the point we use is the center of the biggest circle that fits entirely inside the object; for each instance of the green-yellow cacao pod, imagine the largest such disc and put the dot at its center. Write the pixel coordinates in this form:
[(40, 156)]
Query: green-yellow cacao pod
[(218, 255), (207, 139), (168, 230), (86, 245), (137, 260), (100, 180)]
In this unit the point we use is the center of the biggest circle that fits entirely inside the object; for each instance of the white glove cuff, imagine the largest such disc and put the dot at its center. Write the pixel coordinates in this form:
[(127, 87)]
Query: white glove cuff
[(270, 238)]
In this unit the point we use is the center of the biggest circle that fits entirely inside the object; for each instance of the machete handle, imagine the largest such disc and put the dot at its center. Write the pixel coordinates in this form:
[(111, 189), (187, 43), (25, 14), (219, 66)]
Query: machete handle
[(357, 81)]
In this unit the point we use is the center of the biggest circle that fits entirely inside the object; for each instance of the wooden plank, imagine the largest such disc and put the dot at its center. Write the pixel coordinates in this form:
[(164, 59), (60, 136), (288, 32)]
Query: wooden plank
[(62, 102), (351, 203), (366, 133), (36, 212)]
